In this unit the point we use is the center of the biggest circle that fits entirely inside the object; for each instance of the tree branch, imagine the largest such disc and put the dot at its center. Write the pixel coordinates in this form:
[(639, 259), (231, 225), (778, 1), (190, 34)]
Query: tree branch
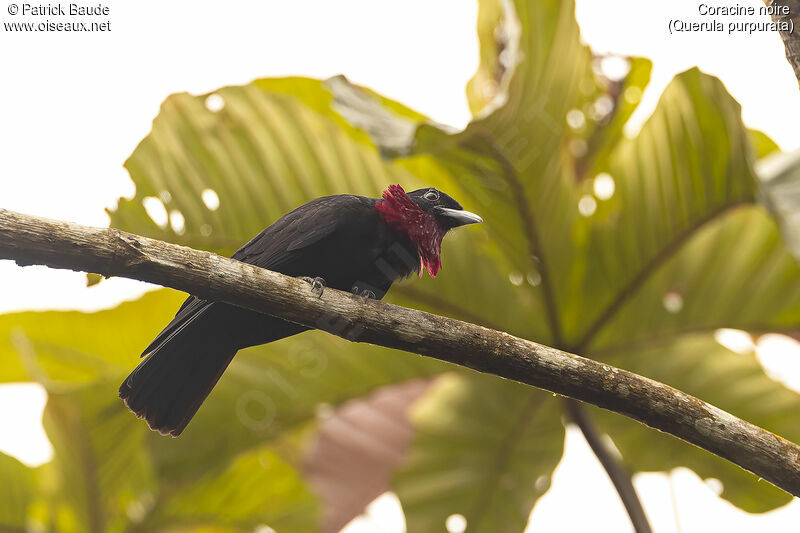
[(31, 240), (619, 475), (791, 39)]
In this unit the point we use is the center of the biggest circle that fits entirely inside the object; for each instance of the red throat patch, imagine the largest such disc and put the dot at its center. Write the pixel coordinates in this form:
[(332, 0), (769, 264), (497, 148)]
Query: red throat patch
[(402, 214)]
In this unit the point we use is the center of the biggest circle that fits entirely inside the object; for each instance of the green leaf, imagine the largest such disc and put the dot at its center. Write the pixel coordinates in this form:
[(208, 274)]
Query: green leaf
[(688, 167), (698, 365), (101, 466), (485, 448), (17, 492), (498, 32), (705, 285), (104, 477), (60, 347), (258, 489), (763, 145), (93, 279), (605, 111)]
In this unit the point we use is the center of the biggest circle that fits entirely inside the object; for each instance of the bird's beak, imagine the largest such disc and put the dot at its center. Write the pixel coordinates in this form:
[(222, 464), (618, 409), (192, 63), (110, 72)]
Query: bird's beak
[(457, 217)]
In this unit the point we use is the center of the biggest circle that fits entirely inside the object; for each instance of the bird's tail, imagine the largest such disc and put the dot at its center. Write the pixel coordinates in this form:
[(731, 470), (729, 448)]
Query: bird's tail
[(170, 384)]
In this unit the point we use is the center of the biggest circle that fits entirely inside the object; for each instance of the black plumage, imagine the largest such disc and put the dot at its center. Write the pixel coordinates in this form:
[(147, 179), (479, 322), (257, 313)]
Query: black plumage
[(354, 243)]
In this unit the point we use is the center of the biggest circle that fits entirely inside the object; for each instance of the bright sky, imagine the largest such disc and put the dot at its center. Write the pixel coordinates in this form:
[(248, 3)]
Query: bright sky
[(73, 107)]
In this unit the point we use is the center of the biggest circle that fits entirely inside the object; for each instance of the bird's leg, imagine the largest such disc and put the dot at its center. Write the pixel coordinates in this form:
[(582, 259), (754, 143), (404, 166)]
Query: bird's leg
[(317, 284), (366, 294)]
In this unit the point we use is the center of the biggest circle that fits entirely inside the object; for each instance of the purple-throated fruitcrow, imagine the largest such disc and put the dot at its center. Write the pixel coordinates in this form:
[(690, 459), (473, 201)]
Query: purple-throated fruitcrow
[(346, 242)]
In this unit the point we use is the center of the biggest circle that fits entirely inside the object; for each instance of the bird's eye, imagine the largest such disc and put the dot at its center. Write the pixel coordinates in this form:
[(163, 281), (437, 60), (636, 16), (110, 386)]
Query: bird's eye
[(431, 196)]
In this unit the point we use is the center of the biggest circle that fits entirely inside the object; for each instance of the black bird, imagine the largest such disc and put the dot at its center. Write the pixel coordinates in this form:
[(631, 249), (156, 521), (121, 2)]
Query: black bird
[(347, 242)]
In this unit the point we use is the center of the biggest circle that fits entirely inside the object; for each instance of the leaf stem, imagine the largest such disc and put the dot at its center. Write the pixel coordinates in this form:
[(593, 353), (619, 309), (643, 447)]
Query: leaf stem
[(532, 234), (620, 476)]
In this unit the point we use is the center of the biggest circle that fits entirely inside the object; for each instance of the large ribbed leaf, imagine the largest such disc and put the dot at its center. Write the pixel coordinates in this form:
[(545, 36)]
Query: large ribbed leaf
[(485, 449), (73, 347), (258, 490), (101, 468), (698, 365), (103, 478), (689, 165), (711, 280)]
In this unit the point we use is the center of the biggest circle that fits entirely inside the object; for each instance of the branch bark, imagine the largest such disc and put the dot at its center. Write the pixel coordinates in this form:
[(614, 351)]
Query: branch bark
[(791, 40), (32, 240)]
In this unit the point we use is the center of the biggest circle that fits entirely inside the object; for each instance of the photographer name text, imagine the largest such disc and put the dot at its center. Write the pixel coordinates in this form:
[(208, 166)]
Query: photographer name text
[(72, 10)]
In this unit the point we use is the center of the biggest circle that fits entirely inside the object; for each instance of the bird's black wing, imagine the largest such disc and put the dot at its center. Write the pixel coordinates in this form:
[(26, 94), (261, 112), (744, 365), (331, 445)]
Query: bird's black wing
[(282, 244)]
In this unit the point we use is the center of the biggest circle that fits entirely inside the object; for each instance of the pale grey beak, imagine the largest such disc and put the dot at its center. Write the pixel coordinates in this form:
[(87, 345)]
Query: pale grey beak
[(457, 217)]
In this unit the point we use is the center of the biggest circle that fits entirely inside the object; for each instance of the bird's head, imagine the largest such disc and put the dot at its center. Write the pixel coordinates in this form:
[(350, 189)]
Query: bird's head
[(424, 216), (448, 213)]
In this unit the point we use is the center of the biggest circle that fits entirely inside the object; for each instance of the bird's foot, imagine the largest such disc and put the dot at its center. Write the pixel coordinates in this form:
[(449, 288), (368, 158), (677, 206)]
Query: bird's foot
[(366, 294), (317, 284)]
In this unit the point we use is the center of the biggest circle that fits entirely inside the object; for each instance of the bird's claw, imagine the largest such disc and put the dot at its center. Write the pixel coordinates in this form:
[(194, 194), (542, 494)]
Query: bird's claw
[(317, 284), (366, 294)]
